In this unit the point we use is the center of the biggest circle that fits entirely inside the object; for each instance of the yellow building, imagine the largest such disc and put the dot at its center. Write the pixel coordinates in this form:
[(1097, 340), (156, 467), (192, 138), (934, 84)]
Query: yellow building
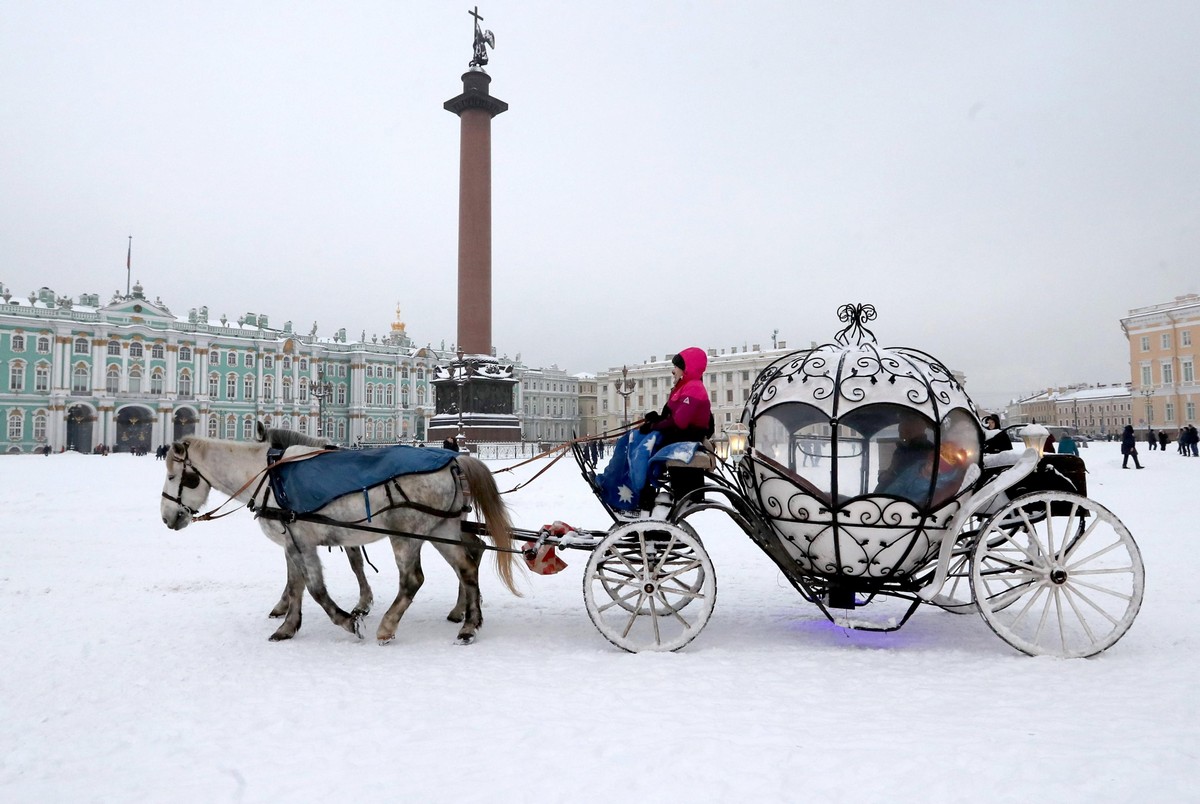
[(1162, 363)]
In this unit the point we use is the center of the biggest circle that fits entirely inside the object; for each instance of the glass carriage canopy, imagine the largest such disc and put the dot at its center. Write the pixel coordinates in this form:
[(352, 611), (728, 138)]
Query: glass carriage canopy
[(851, 419)]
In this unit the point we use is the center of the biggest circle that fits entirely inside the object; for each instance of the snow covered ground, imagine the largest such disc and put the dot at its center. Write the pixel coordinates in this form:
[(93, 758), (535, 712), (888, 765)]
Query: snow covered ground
[(136, 667)]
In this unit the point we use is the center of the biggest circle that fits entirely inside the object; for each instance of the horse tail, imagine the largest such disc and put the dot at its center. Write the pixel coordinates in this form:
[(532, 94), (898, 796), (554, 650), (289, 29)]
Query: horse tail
[(487, 501)]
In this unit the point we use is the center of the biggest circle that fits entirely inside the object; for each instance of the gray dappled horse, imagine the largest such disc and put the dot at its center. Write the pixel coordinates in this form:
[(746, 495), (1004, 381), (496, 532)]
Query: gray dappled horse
[(196, 465)]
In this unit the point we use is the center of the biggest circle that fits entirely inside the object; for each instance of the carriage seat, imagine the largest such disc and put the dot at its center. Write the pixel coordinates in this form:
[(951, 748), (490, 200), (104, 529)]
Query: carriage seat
[(704, 457)]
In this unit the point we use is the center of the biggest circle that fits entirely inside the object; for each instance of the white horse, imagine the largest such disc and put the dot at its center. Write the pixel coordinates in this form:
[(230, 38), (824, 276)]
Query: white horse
[(431, 504)]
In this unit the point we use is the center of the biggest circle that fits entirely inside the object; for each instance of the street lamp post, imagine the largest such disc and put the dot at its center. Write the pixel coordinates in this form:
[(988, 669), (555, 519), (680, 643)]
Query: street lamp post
[(1148, 393), (321, 391), (625, 387)]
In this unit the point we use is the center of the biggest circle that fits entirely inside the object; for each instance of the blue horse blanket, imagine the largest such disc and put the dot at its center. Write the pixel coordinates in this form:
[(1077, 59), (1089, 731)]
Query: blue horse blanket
[(310, 484)]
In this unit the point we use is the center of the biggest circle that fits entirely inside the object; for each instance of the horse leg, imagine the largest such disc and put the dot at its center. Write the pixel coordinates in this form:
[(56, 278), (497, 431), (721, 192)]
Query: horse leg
[(309, 564), (293, 597), (365, 598), (474, 546), (466, 566), (408, 562), (281, 608)]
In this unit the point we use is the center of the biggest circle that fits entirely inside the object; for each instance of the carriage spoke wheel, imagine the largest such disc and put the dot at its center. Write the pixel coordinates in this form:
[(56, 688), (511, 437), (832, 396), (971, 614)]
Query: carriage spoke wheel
[(649, 586), (1056, 574)]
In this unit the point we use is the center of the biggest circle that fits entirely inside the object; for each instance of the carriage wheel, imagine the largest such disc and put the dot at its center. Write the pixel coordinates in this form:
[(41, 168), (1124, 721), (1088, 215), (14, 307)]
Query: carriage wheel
[(615, 587), (1057, 574), (639, 580)]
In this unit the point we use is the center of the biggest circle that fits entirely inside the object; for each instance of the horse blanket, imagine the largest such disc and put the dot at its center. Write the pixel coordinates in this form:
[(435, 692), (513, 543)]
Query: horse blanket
[(307, 485)]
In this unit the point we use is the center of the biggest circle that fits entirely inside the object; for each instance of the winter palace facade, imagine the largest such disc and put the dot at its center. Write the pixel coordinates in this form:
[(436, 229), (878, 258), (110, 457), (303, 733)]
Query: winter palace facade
[(131, 375)]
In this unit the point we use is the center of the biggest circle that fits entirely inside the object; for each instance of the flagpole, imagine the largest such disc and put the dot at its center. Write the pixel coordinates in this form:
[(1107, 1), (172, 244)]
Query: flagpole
[(128, 264)]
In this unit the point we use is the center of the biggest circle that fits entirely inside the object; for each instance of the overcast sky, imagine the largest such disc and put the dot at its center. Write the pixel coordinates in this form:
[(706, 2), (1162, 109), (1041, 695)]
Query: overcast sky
[(1003, 181)]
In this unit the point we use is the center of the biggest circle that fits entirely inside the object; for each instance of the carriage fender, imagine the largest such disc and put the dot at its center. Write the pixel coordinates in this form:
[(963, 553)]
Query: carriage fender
[(977, 502)]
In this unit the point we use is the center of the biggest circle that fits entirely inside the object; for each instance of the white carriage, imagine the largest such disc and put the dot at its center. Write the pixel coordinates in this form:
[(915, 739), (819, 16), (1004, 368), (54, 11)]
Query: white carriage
[(859, 471)]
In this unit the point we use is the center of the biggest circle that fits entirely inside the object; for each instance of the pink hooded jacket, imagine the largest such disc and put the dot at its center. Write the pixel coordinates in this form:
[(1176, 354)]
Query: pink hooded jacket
[(688, 405)]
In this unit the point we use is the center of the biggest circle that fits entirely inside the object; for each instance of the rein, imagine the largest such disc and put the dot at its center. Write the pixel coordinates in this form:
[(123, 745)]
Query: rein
[(562, 450)]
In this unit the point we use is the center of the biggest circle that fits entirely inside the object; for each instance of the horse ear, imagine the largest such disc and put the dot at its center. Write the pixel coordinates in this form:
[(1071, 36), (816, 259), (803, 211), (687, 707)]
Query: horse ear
[(177, 449), (260, 432)]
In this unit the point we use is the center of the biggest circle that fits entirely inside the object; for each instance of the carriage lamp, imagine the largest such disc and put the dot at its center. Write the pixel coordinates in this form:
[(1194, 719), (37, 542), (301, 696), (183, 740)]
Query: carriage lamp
[(739, 438), (1034, 436), (721, 447)]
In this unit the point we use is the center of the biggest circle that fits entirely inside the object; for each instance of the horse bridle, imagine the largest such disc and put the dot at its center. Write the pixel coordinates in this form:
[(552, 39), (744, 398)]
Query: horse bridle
[(189, 478)]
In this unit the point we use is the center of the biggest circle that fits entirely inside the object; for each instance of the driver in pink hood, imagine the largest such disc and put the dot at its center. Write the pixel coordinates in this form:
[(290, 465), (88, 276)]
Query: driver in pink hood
[(687, 416)]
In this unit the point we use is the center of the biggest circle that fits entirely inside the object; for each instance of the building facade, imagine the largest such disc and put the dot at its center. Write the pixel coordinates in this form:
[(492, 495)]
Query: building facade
[(1099, 411), (548, 404), (1162, 362), (625, 395), (131, 375)]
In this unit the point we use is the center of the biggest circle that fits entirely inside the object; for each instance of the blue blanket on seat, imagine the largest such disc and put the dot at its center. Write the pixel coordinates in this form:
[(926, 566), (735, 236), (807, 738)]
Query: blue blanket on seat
[(634, 463), (310, 484)]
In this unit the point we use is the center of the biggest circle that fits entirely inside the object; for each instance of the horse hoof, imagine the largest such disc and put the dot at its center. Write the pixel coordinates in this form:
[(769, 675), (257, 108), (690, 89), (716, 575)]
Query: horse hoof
[(464, 639), (279, 637), (354, 626), (455, 617), (275, 615), (360, 612), (386, 640)]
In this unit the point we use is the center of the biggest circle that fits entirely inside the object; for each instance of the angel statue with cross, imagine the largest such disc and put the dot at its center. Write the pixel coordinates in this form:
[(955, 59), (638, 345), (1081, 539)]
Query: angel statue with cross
[(483, 40)]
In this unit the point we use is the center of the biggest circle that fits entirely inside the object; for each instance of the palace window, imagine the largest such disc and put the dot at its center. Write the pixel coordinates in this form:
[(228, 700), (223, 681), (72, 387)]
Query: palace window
[(214, 357), (287, 389), (370, 393), (231, 386), (1185, 337), (248, 428), (1190, 407), (1188, 371), (43, 345), (304, 364), (341, 394), (268, 361), (135, 349), (18, 343), (81, 346), (16, 376), (214, 385), (1166, 340), (287, 363), (1168, 374), (185, 354), (213, 425), (303, 396), (1145, 343), (1170, 406), (1147, 380), (41, 378), (112, 380), (16, 425), (404, 397), (156, 351), (248, 360), (185, 383), (268, 387), (231, 427), (231, 358), (156, 381), (39, 426), (135, 380), (248, 387), (304, 425), (391, 396), (114, 348), (79, 380)]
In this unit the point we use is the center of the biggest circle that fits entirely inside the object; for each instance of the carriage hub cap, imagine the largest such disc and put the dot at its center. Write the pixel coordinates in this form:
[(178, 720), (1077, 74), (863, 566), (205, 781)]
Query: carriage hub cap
[(1058, 575)]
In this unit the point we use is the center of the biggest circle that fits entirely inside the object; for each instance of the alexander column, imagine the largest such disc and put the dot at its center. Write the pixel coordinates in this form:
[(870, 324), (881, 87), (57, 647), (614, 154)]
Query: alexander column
[(474, 392)]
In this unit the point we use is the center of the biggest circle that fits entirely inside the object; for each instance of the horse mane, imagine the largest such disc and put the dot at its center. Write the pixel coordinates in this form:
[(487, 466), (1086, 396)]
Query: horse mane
[(279, 438)]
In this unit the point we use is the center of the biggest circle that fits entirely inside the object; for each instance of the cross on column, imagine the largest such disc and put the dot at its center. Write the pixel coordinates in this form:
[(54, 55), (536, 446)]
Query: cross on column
[(475, 14)]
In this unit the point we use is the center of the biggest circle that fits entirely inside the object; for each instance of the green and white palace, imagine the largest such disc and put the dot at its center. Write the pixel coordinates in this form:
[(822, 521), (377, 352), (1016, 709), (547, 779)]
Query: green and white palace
[(131, 375)]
